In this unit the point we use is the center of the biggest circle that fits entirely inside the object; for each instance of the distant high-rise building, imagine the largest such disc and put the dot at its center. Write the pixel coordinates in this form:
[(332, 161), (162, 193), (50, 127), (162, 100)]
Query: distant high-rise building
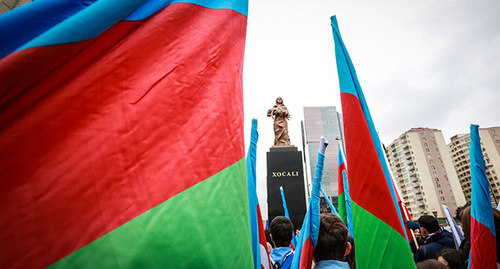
[(424, 172), (7, 5), (324, 121), (490, 143)]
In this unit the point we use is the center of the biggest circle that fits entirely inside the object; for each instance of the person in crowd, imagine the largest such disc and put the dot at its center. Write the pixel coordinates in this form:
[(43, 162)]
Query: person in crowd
[(350, 258), (270, 244), (450, 257), (465, 218), (332, 247), (281, 235), (435, 239), (430, 264)]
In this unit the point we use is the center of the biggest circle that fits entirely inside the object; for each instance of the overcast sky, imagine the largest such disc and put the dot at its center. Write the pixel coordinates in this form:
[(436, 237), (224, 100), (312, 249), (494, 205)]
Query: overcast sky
[(427, 63)]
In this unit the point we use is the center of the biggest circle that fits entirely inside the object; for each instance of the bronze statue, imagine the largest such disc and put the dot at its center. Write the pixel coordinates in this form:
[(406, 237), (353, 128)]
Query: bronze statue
[(280, 114)]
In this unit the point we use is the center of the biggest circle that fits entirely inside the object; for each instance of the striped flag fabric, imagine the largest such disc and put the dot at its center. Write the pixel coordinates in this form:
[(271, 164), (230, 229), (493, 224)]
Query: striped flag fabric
[(309, 232), (122, 135), (287, 214), (377, 222), (483, 251), (259, 243), (345, 212)]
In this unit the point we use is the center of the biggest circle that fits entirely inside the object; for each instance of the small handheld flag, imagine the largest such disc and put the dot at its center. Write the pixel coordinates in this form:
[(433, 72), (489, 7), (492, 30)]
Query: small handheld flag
[(310, 227)]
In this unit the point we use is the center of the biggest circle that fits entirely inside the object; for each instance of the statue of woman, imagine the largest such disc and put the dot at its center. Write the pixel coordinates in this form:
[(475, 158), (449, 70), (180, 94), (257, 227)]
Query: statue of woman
[(279, 113)]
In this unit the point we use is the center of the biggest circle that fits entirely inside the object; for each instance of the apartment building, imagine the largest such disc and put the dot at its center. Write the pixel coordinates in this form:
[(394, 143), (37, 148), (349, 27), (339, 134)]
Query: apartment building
[(490, 143), (424, 172)]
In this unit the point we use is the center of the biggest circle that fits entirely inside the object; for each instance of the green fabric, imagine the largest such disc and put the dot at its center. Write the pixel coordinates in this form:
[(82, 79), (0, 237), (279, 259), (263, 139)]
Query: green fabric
[(205, 226), (342, 208), (377, 244)]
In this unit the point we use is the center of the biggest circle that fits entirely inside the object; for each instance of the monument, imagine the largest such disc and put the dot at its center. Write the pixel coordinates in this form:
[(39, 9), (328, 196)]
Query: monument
[(284, 169)]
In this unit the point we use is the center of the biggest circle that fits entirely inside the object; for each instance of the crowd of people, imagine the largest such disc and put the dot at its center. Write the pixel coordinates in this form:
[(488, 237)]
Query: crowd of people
[(434, 247)]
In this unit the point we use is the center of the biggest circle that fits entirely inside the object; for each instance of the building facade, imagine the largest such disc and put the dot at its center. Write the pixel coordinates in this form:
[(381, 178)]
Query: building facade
[(490, 143), (424, 172), (324, 121), (7, 5)]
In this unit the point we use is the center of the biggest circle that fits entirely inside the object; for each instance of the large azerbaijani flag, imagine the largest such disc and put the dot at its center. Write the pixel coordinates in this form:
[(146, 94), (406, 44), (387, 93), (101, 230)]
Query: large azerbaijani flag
[(483, 250), (121, 126), (378, 227)]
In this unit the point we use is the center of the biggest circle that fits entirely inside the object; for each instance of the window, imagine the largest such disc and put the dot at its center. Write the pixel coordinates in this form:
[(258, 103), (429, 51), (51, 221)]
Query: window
[(437, 149), (432, 133), (438, 185), (436, 179), (422, 134), (431, 162), (423, 139), (435, 173), (442, 199), (433, 167), (428, 155), (440, 192), (427, 150), (425, 144)]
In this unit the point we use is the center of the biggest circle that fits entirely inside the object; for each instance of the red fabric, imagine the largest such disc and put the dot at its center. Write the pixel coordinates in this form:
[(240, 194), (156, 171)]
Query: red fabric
[(97, 132), (265, 261), (483, 249), (366, 177), (306, 255)]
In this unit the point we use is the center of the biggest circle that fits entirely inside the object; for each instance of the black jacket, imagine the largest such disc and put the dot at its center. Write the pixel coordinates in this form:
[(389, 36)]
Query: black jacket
[(434, 244)]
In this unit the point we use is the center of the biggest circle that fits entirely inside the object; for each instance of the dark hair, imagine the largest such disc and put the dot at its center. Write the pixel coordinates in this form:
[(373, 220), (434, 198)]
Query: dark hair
[(350, 258), (465, 217), (459, 210), (332, 238), (452, 256), (431, 264), (282, 231), (268, 237), (429, 222)]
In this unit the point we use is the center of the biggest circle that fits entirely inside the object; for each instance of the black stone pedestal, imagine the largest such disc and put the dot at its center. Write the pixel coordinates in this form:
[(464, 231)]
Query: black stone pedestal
[(284, 168)]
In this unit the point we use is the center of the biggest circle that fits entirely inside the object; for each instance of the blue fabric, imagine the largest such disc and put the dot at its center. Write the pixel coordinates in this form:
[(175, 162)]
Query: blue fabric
[(310, 225), (481, 209), (151, 6), (253, 200), (326, 264), (26, 22), (284, 203), (294, 237), (63, 22), (347, 195), (278, 255), (349, 83)]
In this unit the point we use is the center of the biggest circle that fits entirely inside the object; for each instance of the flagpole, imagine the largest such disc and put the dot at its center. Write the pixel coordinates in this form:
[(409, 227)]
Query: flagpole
[(411, 231)]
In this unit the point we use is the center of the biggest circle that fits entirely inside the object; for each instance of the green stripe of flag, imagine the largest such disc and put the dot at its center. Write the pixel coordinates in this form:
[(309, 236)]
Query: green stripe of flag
[(342, 208), (205, 226), (379, 251)]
